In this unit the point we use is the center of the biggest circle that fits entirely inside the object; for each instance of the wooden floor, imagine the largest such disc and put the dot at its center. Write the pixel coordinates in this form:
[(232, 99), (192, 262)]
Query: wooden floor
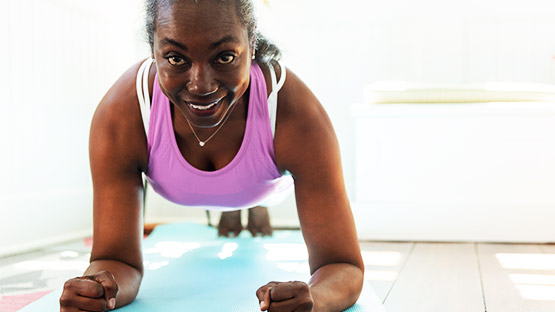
[(424, 277), (407, 277)]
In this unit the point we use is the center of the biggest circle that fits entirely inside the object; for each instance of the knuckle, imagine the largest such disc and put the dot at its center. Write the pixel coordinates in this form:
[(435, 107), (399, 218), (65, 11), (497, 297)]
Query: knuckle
[(65, 301), (114, 288), (262, 289), (106, 279), (69, 285), (300, 285)]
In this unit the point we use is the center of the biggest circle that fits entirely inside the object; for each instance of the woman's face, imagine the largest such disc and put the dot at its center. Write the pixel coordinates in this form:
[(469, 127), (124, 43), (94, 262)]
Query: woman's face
[(203, 57)]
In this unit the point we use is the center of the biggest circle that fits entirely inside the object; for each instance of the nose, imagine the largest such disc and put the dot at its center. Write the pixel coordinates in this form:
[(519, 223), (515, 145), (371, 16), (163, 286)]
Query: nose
[(201, 81)]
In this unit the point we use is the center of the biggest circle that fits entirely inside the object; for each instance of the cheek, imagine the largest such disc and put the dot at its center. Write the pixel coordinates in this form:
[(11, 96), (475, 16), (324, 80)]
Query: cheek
[(240, 81), (169, 85)]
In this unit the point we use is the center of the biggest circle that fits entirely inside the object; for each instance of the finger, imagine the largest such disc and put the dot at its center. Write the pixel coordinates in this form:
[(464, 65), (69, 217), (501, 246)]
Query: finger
[(84, 286), (108, 282), (292, 305), (291, 296), (83, 304), (70, 300), (260, 292), (266, 301), (289, 290), (263, 295)]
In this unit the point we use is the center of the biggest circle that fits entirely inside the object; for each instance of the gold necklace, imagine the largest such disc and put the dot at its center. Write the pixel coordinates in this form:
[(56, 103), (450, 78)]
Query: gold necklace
[(202, 143)]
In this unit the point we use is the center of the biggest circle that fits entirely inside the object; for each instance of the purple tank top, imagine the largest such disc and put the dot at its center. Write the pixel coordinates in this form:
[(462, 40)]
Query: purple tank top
[(250, 179)]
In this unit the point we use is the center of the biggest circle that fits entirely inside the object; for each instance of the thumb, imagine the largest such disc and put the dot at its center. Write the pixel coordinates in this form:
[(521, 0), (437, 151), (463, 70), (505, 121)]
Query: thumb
[(263, 295), (108, 282)]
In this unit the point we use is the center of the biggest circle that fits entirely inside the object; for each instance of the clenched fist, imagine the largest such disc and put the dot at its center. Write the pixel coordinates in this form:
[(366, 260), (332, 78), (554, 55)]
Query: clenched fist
[(285, 297), (95, 292)]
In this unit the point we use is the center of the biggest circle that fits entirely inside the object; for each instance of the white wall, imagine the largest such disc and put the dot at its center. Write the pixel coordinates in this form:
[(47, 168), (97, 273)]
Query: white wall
[(339, 47), (59, 58)]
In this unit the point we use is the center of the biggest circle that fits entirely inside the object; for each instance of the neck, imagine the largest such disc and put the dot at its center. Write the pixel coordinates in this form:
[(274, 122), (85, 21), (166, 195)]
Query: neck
[(236, 113)]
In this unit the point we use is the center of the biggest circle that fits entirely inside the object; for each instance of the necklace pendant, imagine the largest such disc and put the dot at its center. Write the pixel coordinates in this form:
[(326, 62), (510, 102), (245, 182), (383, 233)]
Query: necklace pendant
[(201, 143)]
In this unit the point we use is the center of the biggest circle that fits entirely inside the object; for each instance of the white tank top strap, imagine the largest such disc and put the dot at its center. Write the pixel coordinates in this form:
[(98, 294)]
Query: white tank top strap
[(273, 97), (143, 93)]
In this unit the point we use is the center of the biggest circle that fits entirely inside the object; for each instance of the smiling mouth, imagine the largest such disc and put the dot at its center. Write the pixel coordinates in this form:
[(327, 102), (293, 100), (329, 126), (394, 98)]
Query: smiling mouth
[(204, 107)]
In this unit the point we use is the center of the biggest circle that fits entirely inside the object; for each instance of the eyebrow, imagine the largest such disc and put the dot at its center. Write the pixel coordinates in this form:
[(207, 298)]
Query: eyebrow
[(168, 41), (228, 38)]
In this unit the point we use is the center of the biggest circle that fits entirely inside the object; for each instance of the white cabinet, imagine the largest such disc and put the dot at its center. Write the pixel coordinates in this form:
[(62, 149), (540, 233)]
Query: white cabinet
[(455, 172)]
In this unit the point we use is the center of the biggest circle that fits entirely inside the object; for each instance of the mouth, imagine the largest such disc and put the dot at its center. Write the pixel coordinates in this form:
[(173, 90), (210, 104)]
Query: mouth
[(204, 108)]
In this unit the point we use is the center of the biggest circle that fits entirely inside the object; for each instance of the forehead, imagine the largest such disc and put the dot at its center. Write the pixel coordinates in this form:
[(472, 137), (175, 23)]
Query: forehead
[(205, 18)]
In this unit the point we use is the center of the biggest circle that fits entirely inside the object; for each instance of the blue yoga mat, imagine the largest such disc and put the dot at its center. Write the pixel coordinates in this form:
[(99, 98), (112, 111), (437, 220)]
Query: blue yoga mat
[(188, 268)]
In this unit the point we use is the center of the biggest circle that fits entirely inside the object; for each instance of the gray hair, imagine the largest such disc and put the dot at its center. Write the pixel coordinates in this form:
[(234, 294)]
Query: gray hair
[(265, 50)]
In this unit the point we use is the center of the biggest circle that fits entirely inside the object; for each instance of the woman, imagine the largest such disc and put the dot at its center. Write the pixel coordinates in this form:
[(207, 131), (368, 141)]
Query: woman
[(211, 87)]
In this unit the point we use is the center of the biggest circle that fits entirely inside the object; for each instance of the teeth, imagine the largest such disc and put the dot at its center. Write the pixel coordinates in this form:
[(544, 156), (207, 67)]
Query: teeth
[(203, 107)]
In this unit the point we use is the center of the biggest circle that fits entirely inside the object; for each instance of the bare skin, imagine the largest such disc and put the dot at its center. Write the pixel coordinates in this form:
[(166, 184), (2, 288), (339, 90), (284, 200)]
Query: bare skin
[(305, 145), (258, 222), (230, 224)]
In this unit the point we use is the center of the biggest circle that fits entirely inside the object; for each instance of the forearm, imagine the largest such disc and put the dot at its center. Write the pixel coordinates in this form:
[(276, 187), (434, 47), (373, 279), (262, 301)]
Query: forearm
[(336, 287), (127, 278)]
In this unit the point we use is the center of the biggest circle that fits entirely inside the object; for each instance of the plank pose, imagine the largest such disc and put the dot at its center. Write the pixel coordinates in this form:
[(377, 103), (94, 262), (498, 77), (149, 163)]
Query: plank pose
[(217, 136)]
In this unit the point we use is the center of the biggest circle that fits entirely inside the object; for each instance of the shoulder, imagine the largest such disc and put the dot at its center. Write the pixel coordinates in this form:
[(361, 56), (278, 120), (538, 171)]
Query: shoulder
[(117, 122), (266, 68), (122, 95), (303, 127)]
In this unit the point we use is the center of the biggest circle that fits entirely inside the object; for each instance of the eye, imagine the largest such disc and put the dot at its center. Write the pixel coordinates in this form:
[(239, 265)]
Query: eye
[(176, 60), (225, 59)]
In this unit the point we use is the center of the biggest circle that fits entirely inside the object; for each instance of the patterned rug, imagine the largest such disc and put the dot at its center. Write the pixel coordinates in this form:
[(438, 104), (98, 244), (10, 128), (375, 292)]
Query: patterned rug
[(28, 277)]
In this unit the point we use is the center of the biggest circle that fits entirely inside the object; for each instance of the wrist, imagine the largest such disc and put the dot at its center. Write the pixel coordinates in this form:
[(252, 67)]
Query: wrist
[(318, 302)]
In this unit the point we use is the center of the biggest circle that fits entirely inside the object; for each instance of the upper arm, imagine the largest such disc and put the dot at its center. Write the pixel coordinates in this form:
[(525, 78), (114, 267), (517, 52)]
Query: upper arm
[(306, 146), (118, 155)]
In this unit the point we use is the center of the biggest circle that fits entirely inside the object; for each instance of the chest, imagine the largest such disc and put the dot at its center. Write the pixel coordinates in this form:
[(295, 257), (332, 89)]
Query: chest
[(219, 145)]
